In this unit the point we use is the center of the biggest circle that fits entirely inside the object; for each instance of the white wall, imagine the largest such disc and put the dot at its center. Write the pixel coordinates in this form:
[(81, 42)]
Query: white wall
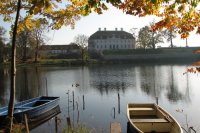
[(114, 43)]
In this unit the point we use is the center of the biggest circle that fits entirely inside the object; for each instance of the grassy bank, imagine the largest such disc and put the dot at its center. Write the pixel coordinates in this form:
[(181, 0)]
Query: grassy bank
[(58, 62), (151, 51)]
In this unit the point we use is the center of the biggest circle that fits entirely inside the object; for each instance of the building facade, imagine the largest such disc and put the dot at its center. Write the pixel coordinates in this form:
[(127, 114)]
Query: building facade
[(60, 49), (107, 40)]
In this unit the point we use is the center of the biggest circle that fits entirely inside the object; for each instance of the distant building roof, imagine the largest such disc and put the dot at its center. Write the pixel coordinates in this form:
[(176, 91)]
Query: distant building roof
[(109, 34)]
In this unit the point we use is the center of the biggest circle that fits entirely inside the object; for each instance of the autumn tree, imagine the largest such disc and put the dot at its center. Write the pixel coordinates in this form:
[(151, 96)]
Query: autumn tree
[(148, 38), (156, 36), (184, 15), (82, 41)]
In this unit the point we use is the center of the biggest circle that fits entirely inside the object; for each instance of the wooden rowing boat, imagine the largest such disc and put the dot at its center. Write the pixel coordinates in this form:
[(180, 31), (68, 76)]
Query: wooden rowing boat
[(150, 118), (32, 108)]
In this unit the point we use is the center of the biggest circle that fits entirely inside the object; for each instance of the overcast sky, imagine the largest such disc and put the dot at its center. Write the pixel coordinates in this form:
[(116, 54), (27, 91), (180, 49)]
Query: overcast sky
[(111, 19)]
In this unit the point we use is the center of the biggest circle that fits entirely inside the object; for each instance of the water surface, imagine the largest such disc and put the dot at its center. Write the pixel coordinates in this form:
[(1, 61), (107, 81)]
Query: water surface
[(102, 92)]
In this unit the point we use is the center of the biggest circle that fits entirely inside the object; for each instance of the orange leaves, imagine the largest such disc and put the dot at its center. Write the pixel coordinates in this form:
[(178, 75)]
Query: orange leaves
[(184, 15), (198, 30), (197, 51), (197, 64), (184, 35), (140, 7), (193, 70)]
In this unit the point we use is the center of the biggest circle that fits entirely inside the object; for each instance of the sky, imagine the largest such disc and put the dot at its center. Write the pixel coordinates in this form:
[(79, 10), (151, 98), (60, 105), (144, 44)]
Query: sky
[(110, 19)]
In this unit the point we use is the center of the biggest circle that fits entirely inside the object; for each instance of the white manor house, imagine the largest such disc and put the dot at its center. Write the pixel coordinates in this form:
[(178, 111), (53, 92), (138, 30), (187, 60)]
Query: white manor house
[(106, 40)]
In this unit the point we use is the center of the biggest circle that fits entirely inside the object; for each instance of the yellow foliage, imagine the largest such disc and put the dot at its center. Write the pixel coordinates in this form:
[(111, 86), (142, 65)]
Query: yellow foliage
[(182, 14)]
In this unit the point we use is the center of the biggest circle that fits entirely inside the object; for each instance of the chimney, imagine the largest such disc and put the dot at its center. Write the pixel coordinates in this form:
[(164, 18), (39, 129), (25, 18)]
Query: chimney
[(99, 29), (121, 29), (104, 29), (115, 29)]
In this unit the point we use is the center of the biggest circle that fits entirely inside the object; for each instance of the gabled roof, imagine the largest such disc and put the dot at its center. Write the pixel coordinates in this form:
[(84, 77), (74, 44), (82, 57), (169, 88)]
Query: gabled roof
[(110, 34)]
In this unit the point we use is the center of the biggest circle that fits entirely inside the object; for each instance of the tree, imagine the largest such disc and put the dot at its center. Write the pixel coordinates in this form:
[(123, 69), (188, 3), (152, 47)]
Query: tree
[(148, 38), (170, 35), (22, 41), (82, 41), (37, 39), (144, 38), (2, 44), (156, 36)]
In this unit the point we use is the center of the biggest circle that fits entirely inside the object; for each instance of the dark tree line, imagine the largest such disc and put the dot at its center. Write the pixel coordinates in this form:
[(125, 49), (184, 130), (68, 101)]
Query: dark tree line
[(28, 43)]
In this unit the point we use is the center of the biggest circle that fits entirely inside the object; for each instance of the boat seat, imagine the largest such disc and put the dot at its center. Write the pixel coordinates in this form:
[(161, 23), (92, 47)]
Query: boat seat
[(159, 120), (142, 109)]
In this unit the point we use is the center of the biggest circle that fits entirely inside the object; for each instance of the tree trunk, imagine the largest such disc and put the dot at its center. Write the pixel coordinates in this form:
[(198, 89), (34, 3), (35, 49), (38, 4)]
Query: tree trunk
[(186, 42), (13, 70), (153, 42), (171, 39), (82, 55), (1, 54)]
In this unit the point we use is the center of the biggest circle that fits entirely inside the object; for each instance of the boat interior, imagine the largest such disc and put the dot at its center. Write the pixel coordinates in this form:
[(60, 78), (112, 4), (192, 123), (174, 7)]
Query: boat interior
[(149, 118)]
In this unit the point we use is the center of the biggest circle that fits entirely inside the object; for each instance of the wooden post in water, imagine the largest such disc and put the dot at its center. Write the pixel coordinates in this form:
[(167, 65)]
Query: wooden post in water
[(157, 100), (46, 87), (118, 103), (73, 99), (56, 124), (114, 112), (115, 127), (77, 112), (26, 123), (69, 122), (83, 102), (68, 102)]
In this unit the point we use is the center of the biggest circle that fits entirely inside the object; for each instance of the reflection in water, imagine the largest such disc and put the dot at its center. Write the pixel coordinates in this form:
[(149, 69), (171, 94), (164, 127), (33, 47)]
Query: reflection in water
[(4, 86), (173, 94), (108, 78), (30, 82), (2, 89), (148, 79), (153, 80)]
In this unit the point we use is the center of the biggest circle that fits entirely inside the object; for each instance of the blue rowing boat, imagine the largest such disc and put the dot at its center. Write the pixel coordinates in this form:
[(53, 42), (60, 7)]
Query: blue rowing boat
[(32, 108)]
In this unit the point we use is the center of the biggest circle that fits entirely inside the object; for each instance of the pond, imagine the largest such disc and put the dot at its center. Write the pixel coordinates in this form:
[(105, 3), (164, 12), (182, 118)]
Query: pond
[(101, 92)]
